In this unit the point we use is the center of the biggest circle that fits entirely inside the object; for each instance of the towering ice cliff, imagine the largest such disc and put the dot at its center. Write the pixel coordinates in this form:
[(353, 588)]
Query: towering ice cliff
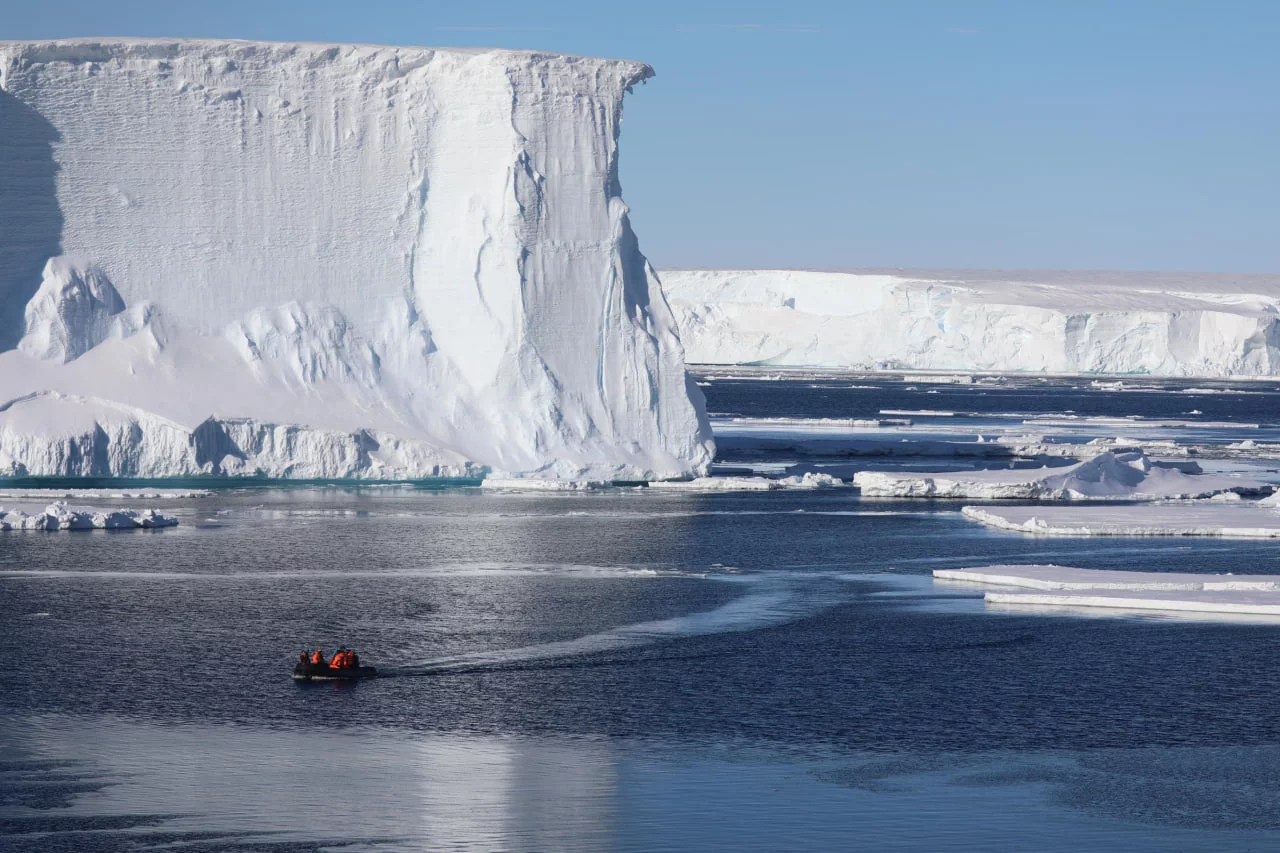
[(1172, 324), (326, 260)]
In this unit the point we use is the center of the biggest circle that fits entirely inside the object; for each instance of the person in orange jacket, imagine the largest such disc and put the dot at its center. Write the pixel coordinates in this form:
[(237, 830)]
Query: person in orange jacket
[(339, 659), (317, 657)]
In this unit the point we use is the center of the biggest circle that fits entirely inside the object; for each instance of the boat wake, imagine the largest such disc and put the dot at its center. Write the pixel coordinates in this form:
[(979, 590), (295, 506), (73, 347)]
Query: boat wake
[(774, 599)]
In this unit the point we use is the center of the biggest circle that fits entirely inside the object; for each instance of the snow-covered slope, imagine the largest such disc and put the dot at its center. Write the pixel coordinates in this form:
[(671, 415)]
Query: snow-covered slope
[(327, 260), (1174, 324)]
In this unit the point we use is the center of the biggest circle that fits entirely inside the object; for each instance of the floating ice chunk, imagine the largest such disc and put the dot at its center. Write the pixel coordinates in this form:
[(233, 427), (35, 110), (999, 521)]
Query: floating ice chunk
[(720, 484), (1108, 476), (534, 484), (1246, 519), (810, 480), (61, 516)]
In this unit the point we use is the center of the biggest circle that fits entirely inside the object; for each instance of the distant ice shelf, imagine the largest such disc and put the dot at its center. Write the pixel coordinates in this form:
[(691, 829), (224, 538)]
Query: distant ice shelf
[(1061, 586), (1162, 324)]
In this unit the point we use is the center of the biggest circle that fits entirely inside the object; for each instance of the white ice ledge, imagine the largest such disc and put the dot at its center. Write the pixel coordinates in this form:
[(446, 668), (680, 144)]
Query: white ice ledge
[(1231, 519), (1071, 587)]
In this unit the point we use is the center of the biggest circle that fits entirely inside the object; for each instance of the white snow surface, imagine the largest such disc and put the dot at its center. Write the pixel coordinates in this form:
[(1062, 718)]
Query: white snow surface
[(1210, 518), (61, 516), (315, 260), (1107, 476), (1064, 586), (1169, 324)]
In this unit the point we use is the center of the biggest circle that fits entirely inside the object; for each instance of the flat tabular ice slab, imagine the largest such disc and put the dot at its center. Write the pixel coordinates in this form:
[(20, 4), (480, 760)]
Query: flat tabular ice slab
[(1247, 520), (1063, 586), (60, 516), (1109, 476), (1171, 324), (309, 260), (1050, 577)]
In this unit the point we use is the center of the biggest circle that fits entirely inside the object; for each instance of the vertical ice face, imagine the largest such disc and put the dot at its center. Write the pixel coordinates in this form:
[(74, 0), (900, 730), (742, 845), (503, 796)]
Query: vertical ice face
[(430, 242)]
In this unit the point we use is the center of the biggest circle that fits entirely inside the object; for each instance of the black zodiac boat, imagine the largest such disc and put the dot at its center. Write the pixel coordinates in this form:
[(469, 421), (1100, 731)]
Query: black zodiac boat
[(324, 672)]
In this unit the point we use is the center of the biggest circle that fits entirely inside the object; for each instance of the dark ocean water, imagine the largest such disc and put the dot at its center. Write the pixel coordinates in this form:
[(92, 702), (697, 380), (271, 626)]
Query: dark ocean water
[(628, 670)]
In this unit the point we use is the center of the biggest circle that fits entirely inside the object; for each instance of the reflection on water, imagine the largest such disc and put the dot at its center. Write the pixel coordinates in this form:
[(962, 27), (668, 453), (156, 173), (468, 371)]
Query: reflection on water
[(245, 783), (240, 787)]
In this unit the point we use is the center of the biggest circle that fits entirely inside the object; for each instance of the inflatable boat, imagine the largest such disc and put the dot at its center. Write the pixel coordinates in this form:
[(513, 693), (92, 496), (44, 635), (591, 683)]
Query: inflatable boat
[(324, 672)]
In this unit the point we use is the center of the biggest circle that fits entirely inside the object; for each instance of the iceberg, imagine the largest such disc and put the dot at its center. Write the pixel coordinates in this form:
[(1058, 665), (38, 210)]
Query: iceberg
[(1211, 518), (327, 261), (1070, 587), (1163, 324), (1107, 476)]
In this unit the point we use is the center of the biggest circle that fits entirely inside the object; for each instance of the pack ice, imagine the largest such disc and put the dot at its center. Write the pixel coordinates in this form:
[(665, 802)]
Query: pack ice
[(309, 260), (1169, 324)]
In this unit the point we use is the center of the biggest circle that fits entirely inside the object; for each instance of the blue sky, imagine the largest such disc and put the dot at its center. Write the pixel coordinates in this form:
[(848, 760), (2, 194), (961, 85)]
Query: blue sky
[(1035, 134)]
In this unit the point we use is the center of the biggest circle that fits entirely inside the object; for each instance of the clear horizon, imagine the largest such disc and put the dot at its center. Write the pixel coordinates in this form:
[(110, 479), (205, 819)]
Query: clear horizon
[(966, 135)]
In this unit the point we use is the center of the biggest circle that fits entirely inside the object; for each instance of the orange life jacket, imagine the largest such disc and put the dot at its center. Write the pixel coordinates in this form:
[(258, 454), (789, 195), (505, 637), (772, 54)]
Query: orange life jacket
[(317, 657), (338, 659)]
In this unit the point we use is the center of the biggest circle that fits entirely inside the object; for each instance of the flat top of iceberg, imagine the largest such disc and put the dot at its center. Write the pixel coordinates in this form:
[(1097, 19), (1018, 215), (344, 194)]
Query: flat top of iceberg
[(82, 49)]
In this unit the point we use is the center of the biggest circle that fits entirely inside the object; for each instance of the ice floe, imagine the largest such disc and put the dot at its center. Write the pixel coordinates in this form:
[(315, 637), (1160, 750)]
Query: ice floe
[(1209, 518), (1108, 476), (1072, 587)]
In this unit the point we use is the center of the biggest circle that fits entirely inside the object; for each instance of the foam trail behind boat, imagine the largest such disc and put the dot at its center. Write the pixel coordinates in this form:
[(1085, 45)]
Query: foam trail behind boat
[(773, 600)]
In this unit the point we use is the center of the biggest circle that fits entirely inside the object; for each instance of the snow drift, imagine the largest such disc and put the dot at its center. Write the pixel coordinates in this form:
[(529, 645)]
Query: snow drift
[(1107, 476), (1171, 324), (327, 261)]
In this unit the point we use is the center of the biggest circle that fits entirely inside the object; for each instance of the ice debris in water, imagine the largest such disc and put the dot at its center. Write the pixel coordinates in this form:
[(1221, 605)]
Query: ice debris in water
[(810, 480), (61, 516)]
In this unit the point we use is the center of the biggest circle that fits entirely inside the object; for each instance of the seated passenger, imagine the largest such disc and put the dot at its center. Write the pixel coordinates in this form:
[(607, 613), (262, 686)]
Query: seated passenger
[(304, 658), (317, 657), (338, 657), (353, 659)]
